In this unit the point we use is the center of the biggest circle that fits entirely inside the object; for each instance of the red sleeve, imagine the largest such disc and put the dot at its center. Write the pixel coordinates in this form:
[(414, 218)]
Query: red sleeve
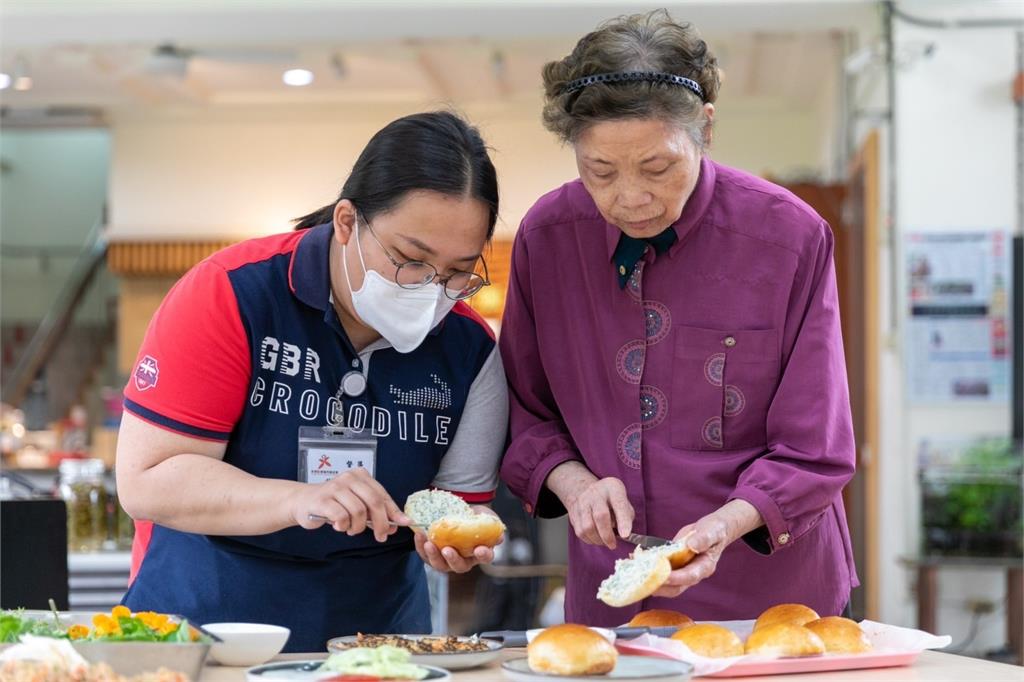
[(193, 369)]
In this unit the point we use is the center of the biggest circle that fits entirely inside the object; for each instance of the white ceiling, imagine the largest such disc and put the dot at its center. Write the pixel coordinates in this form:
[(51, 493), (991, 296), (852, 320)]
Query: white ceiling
[(35, 22), (95, 53)]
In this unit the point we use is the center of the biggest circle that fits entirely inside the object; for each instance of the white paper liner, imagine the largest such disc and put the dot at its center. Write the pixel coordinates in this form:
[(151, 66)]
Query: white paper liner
[(57, 652), (884, 639)]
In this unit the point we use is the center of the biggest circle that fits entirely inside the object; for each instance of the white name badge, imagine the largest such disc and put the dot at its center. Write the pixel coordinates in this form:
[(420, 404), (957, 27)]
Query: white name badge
[(328, 451)]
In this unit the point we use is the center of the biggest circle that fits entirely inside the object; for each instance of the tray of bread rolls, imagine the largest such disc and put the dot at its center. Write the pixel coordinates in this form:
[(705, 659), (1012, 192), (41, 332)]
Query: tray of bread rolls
[(785, 639)]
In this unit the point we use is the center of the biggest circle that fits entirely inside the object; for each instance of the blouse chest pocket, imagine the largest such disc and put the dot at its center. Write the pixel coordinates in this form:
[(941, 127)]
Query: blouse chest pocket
[(723, 382)]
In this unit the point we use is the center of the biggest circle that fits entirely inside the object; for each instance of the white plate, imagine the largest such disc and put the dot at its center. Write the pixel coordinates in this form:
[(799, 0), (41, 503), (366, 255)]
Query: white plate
[(308, 671), (627, 668), (461, 660)]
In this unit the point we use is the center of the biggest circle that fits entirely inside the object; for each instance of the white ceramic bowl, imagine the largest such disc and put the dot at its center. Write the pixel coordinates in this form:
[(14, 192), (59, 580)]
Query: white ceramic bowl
[(246, 644)]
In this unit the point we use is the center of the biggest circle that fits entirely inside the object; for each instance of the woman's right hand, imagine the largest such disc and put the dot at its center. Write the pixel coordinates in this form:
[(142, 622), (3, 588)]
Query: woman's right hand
[(597, 507), (351, 503)]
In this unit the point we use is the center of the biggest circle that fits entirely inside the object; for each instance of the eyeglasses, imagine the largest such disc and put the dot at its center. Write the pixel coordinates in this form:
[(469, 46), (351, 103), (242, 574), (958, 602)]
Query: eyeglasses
[(415, 274)]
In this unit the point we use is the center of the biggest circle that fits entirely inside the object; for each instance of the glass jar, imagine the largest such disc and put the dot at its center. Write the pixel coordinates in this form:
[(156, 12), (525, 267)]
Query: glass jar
[(84, 491), (123, 528)]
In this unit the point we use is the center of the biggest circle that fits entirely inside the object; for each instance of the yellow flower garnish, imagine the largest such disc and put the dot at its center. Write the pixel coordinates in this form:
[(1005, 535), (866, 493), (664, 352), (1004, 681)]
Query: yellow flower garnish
[(154, 621), (105, 625), (121, 612), (78, 632)]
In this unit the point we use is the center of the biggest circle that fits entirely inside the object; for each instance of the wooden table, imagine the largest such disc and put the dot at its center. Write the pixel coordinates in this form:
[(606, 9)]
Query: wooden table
[(932, 666)]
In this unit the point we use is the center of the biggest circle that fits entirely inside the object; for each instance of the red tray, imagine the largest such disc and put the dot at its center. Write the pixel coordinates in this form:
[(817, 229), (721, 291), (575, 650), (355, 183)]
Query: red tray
[(783, 666)]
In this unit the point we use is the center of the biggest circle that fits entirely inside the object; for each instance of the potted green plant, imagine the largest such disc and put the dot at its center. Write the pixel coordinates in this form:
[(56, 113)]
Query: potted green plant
[(974, 508)]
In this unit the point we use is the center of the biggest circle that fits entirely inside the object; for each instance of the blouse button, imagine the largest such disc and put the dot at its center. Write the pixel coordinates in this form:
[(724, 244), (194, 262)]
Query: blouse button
[(729, 342), (783, 538)]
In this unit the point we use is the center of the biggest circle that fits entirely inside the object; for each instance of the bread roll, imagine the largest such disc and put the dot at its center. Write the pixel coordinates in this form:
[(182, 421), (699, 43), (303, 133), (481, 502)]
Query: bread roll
[(840, 635), (466, 533), (784, 639), (795, 614), (450, 522), (634, 579), (678, 553), (660, 618), (571, 650), (427, 506), (710, 640)]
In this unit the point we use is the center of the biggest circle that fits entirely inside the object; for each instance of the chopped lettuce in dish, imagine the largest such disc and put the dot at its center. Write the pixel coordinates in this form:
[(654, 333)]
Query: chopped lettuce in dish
[(386, 662)]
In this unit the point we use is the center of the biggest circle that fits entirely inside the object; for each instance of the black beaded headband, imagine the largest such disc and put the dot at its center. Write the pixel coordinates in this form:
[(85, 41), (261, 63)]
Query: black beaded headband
[(634, 77)]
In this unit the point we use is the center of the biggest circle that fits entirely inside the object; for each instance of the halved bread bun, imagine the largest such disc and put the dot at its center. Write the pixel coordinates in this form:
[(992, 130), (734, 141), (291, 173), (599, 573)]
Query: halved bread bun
[(795, 614), (678, 553), (426, 506), (634, 579), (466, 533), (784, 640), (710, 640), (450, 522), (571, 650), (840, 635), (660, 618)]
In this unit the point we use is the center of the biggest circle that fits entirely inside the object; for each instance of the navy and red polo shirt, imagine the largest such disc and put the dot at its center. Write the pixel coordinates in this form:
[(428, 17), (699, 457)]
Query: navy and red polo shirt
[(247, 348)]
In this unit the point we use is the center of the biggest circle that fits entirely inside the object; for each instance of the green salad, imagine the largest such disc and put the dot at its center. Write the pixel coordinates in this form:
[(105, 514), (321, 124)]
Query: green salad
[(387, 662), (14, 624)]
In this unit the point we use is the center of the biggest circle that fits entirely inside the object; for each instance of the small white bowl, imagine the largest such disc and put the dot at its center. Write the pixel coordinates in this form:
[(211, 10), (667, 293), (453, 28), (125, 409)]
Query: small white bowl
[(246, 644)]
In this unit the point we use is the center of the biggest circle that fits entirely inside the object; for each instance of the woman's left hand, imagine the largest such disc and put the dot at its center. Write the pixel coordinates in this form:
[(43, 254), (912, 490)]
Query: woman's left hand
[(710, 536), (447, 559)]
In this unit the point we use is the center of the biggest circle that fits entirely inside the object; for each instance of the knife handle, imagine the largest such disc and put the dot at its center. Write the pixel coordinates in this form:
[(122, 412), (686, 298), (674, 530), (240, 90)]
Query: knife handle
[(508, 638)]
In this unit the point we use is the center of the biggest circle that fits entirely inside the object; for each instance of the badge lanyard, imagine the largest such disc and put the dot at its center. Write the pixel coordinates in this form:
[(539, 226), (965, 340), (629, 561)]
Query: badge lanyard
[(327, 451)]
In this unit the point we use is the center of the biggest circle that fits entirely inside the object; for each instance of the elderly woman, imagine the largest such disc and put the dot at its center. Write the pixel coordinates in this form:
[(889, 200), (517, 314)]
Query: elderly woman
[(673, 347)]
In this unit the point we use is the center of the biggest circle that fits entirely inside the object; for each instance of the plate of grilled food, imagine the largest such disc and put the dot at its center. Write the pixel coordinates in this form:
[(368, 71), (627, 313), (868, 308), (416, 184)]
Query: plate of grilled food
[(453, 653)]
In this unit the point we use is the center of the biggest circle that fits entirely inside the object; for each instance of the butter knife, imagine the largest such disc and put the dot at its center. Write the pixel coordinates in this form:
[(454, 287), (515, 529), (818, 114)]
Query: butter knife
[(318, 517), (647, 541), (517, 638)]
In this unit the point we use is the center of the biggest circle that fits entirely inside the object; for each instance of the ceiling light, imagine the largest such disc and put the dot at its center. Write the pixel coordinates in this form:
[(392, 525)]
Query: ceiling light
[(5, 81), (297, 77)]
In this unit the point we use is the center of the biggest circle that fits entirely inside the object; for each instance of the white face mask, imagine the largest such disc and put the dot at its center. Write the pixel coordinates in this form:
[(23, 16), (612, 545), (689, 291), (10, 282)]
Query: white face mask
[(402, 316)]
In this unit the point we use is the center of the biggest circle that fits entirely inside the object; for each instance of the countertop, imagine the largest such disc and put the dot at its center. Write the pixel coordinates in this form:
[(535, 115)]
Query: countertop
[(931, 666)]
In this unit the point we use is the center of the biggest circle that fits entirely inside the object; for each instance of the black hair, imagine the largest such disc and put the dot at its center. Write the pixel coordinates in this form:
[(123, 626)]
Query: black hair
[(436, 151)]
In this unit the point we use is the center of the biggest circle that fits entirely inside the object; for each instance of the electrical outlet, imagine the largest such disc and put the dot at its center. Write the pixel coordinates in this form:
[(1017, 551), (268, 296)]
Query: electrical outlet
[(980, 606)]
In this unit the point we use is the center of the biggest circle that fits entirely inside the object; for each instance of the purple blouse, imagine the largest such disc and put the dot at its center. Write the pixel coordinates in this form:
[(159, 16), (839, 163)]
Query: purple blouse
[(716, 374)]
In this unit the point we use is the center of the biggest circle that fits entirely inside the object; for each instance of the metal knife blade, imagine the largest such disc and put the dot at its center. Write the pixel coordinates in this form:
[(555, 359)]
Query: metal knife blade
[(647, 541), (318, 517), (517, 638)]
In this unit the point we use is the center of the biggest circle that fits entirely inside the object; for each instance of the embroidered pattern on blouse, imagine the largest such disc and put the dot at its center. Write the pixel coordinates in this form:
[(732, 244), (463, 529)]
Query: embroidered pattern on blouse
[(629, 362), (628, 445), (653, 406), (714, 369), (712, 432), (657, 322), (734, 401)]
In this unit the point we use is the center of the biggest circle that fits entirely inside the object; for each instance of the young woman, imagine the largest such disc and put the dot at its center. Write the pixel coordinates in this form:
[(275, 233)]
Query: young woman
[(356, 319)]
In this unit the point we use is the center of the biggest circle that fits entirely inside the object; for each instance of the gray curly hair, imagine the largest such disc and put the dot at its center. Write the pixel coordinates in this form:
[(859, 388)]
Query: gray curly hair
[(637, 42)]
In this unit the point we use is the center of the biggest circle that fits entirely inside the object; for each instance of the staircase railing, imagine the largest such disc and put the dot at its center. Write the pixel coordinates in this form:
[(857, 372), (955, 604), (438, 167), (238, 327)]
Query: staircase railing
[(47, 337)]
